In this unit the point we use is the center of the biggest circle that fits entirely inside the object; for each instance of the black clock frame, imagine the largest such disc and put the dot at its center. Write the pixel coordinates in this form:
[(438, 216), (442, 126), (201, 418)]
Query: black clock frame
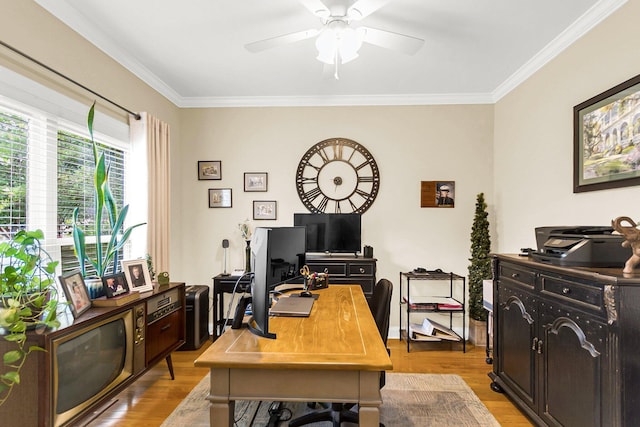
[(326, 152)]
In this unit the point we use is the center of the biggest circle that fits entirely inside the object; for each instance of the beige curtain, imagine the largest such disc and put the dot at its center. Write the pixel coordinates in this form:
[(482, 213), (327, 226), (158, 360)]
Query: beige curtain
[(150, 147)]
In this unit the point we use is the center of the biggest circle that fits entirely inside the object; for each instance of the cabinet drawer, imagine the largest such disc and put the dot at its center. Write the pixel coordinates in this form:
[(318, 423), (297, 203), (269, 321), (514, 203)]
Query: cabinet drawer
[(576, 292), (337, 269), (518, 275), (356, 269)]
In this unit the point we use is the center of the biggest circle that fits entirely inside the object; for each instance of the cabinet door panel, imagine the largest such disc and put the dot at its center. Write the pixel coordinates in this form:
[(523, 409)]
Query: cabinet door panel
[(571, 377), (516, 327)]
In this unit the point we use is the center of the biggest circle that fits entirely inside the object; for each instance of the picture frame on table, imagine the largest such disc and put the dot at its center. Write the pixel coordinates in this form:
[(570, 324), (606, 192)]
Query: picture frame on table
[(220, 198), (76, 292), (255, 181), (137, 274), (606, 149), (115, 285), (209, 170), (265, 209)]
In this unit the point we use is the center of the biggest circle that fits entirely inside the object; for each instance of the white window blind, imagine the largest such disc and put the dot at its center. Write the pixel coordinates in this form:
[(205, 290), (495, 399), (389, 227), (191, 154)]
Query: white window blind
[(46, 170)]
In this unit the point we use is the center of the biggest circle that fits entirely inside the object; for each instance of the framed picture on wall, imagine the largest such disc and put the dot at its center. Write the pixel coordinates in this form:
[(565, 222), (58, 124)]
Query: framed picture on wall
[(264, 209), (219, 197), (209, 170), (255, 181), (606, 128), (437, 194)]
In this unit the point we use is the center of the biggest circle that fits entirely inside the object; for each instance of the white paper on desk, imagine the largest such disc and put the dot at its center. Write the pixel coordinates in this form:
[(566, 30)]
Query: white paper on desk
[(237, 273)]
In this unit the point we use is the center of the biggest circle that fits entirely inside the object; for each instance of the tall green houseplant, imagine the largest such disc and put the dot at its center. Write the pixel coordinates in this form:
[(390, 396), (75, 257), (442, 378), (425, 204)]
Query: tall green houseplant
[(104, 202), (480, 267)]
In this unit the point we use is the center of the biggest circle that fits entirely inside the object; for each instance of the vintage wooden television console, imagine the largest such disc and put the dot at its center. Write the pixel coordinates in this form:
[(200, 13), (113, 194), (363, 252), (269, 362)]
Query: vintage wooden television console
[(92, 358)]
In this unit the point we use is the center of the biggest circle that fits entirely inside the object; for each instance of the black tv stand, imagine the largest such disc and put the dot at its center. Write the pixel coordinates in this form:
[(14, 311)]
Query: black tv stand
[(345, 269)]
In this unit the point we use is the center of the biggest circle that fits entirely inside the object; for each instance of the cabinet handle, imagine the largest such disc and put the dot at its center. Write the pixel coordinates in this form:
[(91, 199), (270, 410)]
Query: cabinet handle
[(540, 347), (515, 275), (165, 327), (535, 343), (361, 270), (566, 290)]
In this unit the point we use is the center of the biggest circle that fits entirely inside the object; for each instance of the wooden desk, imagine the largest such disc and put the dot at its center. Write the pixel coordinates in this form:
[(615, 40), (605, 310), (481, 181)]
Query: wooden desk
[(334, 355)]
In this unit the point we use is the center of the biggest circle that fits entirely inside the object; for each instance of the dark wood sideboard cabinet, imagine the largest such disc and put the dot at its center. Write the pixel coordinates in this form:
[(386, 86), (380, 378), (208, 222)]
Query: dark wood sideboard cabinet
[(156, 327), (346, 270), (567, 342)]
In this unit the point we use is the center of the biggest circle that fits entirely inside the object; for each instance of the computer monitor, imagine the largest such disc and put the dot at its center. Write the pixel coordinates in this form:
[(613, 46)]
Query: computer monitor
[(277, 255)]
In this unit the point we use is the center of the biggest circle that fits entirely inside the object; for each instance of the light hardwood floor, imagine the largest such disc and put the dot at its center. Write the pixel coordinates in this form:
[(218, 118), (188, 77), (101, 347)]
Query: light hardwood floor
[(153, 397)]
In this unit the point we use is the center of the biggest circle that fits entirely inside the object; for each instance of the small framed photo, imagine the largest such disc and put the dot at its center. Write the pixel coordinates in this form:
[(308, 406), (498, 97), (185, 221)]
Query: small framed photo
[(255, 181), (219, 197), (114, 285), (76, 292), (137, 274), (209, 169), (265, 209), (437, 194)]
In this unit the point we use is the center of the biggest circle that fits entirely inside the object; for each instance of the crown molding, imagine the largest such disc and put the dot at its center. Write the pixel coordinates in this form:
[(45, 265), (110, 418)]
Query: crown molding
[(590, 19)]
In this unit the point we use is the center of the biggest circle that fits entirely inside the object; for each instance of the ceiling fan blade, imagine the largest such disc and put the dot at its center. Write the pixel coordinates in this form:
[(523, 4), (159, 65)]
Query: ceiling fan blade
[(272, 42), (390, 40), (363, 8), (317, 7)]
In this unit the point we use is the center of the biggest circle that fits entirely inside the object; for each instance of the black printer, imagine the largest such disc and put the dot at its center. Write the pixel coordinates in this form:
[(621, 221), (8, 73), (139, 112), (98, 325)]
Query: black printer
[(584, 246)]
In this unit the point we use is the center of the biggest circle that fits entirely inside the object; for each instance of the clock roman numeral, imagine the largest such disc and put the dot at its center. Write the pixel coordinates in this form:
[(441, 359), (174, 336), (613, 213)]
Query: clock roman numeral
[(323, 203), (323, 155), (312, 194), (365, 179), (338, 208), (308, 180), (362, 193), (361, 165), (337, 151)]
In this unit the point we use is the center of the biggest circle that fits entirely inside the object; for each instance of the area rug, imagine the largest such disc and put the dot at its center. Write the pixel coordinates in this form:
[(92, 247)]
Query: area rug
[(419, 400)]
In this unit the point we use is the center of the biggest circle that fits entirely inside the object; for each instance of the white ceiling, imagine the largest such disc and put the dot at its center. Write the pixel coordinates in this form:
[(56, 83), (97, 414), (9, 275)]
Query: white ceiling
[(192, 51)]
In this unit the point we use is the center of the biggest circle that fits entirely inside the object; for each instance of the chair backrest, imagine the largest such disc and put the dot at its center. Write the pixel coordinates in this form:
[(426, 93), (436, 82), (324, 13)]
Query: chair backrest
[(381, 306)]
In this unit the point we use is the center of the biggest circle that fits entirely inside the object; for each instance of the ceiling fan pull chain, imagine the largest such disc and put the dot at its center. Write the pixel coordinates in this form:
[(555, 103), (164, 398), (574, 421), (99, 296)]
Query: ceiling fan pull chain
[(335, 60)]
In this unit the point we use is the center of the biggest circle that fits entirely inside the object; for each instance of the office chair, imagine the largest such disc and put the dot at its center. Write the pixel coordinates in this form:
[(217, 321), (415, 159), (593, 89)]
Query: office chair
[(337, 413)]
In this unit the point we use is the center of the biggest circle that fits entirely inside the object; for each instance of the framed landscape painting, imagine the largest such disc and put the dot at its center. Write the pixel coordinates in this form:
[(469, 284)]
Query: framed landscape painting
[(606, 152)]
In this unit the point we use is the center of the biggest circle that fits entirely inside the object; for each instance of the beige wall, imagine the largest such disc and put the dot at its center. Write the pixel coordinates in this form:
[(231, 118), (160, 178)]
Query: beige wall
[(533, 145), (519, 152), (410, 144)]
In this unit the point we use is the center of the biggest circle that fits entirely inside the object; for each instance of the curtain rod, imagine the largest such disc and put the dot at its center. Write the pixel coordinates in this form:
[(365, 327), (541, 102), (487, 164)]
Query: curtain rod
[(136, 115)]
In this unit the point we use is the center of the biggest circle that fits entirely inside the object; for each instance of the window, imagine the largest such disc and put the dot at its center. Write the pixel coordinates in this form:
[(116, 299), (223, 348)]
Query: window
[(14, 133), (46, 170)]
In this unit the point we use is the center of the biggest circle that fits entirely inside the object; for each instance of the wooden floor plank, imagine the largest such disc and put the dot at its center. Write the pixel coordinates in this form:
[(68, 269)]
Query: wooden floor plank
[(153, 397)]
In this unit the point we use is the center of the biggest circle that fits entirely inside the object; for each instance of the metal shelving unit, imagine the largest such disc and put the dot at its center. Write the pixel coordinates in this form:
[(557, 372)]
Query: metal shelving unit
[(451, 303)]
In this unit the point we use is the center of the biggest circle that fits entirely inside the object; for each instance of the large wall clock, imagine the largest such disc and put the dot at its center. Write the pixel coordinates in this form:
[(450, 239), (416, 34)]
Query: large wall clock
[(337, 175)]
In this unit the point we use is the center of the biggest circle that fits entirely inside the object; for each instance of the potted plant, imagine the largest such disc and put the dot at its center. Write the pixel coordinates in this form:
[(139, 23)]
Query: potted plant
[(28, 300), (479, 270), (104, 203)]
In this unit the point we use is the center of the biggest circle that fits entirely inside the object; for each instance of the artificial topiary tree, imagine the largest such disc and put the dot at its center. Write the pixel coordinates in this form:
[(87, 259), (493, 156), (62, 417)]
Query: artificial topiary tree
[(480, 267)]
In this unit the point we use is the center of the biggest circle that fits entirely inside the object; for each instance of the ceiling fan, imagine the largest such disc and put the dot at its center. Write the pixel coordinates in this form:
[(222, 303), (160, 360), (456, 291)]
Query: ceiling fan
[(337, 40)]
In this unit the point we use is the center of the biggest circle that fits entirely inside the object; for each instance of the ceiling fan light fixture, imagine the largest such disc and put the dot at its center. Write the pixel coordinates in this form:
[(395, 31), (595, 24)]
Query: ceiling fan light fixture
[(346, 43), (327, 44)]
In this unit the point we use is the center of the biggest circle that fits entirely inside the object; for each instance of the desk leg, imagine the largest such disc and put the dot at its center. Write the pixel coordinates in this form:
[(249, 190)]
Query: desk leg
[(221, 409), (368, 416), (370, 399)]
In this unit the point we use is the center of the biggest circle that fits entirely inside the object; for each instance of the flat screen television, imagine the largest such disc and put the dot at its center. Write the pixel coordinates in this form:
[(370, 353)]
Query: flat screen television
[(330, 233), (277, 255)]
